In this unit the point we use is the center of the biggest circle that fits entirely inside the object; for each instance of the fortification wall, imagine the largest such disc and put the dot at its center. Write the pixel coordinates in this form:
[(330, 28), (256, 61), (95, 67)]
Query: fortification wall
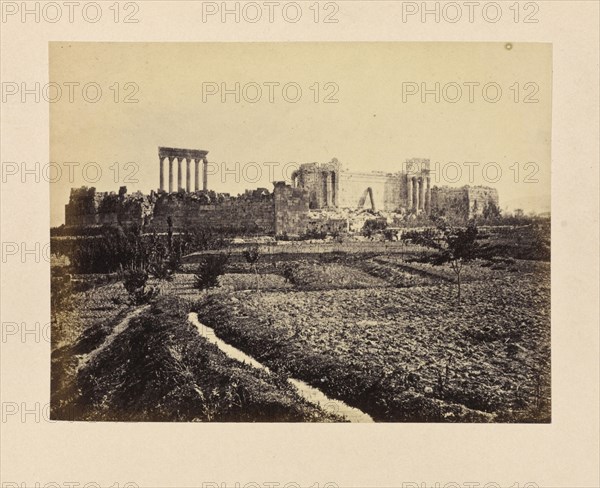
[(235, 215), (463, 203), (291, 207), (285, 211), (88, 207), (480, 198), (253, 212)]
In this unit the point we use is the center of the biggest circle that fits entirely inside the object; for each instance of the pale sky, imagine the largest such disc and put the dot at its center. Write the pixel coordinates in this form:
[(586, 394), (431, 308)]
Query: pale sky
[(370, 128)]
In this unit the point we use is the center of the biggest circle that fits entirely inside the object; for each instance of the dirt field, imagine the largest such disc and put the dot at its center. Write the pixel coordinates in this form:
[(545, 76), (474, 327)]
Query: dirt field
[(119, 362), (378, 332), (406, 353)]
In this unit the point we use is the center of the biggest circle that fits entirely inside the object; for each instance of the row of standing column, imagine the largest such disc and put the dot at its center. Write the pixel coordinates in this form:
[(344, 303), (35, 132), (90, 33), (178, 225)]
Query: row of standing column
[(419, 193), (187, 175)]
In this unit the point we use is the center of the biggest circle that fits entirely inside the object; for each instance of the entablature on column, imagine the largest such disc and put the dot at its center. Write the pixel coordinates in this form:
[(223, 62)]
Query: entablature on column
[(174, 152)]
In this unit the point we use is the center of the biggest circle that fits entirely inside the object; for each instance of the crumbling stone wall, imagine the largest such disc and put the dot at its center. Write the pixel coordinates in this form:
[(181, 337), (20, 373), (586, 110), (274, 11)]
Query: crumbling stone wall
[(386, 189), (329, 186), (251, 213), (321, 181), (285, 211), (463, 203), (88, 207), (291, 209), (480, 198)]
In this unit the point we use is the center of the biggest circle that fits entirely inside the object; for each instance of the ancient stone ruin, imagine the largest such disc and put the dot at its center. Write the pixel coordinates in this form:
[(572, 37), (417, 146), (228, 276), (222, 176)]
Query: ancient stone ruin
[(320, 196)]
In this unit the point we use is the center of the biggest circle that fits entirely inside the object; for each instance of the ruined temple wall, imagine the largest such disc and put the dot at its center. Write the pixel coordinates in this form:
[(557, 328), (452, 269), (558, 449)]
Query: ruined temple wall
[(311, 179), (252, 214), (387, 190), (88, 207), (291, 209), (234, 215), (480, 197), (450, 202), (463, 203)]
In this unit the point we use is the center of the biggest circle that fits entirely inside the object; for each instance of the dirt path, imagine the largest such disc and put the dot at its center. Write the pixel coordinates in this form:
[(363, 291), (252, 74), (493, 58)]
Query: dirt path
[(120, 327), (309, 393)]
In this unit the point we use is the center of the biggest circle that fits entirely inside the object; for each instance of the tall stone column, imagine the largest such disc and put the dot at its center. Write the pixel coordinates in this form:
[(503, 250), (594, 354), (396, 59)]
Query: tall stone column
[(334, 189), (161, 162), (417, 194), (171, 174), (428, 195), (328, 199), (187, 175), (196, 174), (179, 161), (409, 191), (204, 174), (421, 193)]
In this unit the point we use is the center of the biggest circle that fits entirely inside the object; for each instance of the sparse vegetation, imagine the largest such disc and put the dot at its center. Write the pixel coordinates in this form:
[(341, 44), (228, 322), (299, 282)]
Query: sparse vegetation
[(134, 281), (160, 369), (210, 268), (252, 255), (375, 328), (408, 354), (374, 226), (454, 246)]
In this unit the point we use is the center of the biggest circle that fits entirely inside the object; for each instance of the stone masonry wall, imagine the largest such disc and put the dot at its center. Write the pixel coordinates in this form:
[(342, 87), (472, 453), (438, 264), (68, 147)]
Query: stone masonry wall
[(284, 211), (252, 212), (88, 207), (387, 190), (291, 209), (234, 215), (462, 203)]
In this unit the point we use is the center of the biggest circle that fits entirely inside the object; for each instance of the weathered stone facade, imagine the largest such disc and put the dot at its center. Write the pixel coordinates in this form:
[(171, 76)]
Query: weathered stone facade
[(463, 203), (331, 187), (317, 192), (88, 207), (253, 212)]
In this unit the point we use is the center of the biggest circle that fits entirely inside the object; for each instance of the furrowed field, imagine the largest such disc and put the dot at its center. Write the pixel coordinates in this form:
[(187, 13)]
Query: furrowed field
[(378, 328)]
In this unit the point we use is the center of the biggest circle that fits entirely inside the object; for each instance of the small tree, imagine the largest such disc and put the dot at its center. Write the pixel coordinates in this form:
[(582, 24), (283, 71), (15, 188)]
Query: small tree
[(134, 281), (455, 246), (252, 255), (209, 270)]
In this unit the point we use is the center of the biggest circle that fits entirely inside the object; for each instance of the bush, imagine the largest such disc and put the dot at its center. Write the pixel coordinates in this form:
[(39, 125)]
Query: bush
[(116, 248), (252, 254), (163, 259), (289, 273), (209, 270), (134, 281), (373, 226)]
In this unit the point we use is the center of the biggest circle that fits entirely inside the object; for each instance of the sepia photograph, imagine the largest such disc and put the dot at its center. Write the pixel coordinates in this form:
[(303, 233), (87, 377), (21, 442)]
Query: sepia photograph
[(300, 232)]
